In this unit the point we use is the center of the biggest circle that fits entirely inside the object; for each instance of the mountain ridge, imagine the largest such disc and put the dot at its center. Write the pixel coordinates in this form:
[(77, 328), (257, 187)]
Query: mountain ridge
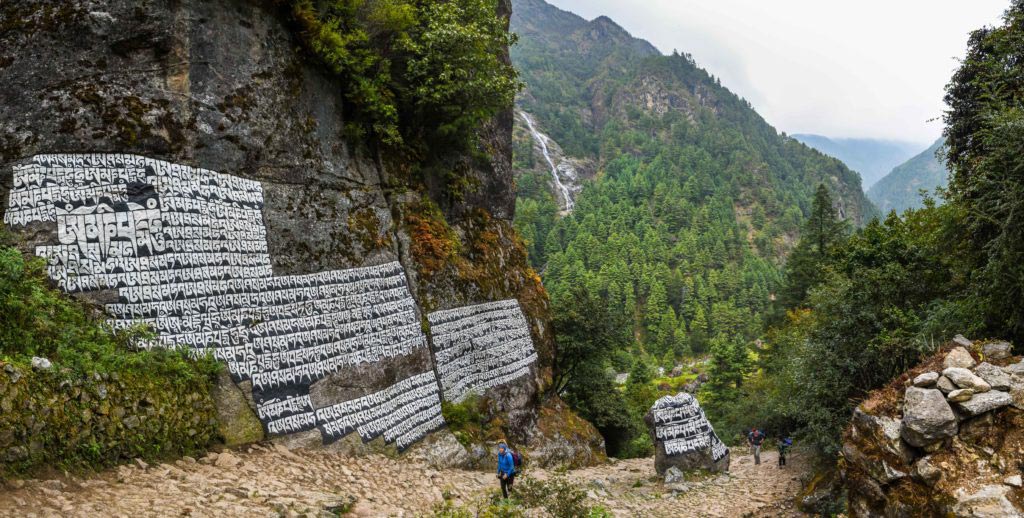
[(871, 158), (900, 189)]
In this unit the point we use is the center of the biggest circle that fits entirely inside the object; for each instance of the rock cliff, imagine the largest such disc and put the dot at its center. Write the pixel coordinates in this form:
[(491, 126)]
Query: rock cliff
[(198, 122), (944, 439)]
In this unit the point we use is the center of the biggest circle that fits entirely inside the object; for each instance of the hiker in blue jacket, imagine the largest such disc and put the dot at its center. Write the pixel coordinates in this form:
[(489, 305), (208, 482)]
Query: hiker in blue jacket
[(506, 468)]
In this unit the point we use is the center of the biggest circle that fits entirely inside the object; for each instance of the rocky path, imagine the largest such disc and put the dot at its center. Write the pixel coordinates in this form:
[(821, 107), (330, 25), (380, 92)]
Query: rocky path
[(266, 480)]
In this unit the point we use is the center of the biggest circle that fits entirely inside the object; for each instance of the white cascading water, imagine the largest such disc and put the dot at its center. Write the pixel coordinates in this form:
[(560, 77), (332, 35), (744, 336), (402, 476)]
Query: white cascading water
[(542, 139)]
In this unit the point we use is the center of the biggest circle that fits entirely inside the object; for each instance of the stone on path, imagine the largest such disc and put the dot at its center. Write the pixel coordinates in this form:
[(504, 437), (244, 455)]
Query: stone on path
[(673, 475)]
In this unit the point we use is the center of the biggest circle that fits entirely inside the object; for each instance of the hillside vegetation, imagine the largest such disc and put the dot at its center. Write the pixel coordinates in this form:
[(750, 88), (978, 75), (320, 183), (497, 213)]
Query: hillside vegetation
[(872, 158), (74, 394), (864, 307), (901, 189), (673, 250)]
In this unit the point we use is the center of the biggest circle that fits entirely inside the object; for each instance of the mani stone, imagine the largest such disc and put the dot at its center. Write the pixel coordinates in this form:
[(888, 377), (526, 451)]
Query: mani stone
[(683, 437), (993, 375), (958, 357), (926, 380), (927, 417), (960, 395), (964, 378), (945, 385), (984, 402), (999, 350)]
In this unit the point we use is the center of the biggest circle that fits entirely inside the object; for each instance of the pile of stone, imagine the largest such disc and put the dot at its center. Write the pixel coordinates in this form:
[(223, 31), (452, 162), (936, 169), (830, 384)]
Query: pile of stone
[(936, 403), (953, 450)]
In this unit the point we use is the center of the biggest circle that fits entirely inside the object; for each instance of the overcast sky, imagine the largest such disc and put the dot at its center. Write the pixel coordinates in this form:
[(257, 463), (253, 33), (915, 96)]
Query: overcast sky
[(867, 68)]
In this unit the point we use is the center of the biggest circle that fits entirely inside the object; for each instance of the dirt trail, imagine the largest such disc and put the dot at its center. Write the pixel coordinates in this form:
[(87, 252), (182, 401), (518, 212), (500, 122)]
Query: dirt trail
[(264, 480)]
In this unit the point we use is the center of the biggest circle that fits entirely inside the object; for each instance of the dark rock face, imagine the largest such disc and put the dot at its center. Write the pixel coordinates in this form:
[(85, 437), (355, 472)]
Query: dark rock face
[(219, 85), (683, 437)]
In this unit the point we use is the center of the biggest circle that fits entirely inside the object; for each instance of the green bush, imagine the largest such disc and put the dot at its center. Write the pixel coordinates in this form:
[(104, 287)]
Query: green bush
[(558, 496), (103, 400), (37, 320), (417, 75), (468, 420)]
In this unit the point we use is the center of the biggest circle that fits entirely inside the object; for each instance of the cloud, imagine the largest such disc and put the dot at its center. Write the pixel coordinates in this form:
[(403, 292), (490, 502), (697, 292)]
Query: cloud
[(873, 68)]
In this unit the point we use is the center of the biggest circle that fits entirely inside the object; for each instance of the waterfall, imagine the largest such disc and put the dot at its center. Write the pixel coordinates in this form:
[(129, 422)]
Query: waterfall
[(542, 139)]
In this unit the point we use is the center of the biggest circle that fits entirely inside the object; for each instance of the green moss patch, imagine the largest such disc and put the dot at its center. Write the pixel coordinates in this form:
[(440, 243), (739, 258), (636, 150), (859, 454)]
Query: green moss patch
[(102, 400)]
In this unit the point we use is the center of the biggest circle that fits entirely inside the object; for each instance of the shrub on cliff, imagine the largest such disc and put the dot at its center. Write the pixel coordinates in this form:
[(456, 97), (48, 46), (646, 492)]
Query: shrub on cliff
[(419, 75)]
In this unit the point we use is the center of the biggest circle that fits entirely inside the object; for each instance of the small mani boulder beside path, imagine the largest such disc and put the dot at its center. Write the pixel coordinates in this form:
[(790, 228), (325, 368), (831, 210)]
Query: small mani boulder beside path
[(683, 437)]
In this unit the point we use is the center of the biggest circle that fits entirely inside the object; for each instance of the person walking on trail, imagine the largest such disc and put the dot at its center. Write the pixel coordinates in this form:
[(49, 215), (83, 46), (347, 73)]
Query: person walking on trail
[(506, 468), (784, 444), (755, 438)]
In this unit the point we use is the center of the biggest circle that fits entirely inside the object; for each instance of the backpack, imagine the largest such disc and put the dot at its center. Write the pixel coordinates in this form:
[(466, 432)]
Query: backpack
[(517, 460)]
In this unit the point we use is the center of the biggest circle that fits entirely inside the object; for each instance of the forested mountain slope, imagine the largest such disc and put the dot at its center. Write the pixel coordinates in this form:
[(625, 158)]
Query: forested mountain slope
[(872, 158), (677, 240), (900, 189)]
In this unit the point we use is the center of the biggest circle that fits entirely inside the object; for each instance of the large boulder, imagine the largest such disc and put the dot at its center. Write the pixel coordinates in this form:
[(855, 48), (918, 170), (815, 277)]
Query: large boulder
[(683, 437), (927, 417)]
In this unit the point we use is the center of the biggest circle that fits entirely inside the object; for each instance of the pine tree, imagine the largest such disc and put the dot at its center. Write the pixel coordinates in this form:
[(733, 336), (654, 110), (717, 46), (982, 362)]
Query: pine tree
[(805, 266)]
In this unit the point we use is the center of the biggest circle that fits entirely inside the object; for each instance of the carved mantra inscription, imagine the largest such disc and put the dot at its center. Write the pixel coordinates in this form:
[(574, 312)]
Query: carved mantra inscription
[(679, 421), (186, 251), (482, 346)]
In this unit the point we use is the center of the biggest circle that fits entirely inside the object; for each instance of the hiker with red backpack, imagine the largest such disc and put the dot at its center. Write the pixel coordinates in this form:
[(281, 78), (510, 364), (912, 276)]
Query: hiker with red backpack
[(508, 461)]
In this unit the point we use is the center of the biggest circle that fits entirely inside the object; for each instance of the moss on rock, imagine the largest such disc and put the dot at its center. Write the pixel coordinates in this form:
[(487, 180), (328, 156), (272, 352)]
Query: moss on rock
[(236, 421)]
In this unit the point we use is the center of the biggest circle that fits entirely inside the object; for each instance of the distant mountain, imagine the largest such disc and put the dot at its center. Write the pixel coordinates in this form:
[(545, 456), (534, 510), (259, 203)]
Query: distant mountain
[(900, 189), (872, 158), (604, 95)]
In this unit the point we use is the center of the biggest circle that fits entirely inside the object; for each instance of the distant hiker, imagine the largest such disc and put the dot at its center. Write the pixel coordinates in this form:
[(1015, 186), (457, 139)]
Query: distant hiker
[(506, 468), (755, 438), (784, 445)]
